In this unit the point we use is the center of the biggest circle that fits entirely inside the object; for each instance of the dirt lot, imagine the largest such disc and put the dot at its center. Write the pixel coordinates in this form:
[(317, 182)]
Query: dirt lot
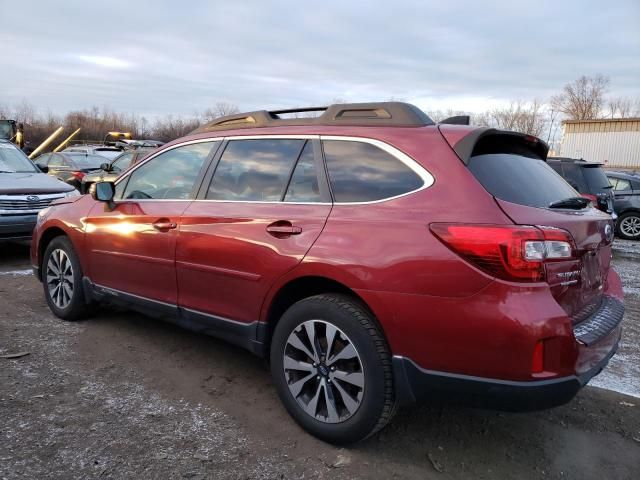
[(124, 396)]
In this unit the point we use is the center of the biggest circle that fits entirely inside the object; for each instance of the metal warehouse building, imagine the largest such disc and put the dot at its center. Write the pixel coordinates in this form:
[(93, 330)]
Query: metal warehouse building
[(614, 142)]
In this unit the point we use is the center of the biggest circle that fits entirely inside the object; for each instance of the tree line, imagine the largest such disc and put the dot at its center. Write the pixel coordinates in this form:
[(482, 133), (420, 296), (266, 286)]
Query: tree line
[(584, 98)]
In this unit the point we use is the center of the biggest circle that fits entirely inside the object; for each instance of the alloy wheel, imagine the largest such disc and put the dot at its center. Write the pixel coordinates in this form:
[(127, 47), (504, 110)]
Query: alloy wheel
[(59, 276), (323, 371), (630, 226)]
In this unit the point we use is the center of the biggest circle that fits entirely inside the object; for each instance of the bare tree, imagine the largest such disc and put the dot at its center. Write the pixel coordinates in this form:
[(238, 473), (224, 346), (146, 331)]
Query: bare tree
[(439, 115), (582, 99), (621, 107), (525, 117), (220, 109)]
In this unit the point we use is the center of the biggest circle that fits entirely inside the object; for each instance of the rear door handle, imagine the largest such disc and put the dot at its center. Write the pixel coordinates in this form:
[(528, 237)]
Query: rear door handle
[(164, 225), (283, 229)]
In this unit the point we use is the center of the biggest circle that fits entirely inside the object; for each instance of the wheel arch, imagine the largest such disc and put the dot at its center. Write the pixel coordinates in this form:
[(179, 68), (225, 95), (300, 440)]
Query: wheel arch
[(302, 287), (46, 238)]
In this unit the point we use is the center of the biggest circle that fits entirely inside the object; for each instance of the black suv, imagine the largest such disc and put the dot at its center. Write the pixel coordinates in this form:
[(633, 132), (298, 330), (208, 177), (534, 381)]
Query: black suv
[(627, 204), (24, 191), (588, 178)]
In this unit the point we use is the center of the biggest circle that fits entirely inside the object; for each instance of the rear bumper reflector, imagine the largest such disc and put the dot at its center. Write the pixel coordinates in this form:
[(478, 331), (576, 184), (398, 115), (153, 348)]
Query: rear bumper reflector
[(601, 323)]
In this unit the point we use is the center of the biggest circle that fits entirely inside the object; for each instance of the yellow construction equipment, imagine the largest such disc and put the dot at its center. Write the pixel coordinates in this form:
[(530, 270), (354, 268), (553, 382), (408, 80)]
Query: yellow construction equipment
[(61, 146), (44, 144)]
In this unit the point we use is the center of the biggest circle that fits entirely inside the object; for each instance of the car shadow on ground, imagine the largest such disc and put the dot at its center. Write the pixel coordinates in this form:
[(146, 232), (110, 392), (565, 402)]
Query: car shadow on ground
[(593, 429), (14, 256)]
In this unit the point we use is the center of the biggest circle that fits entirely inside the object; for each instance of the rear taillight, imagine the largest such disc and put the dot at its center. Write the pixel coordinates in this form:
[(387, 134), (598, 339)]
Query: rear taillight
[(510, 252), (78, 175)]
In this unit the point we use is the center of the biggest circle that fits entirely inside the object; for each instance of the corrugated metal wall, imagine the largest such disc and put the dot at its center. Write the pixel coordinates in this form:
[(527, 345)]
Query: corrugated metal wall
[(614, 143)]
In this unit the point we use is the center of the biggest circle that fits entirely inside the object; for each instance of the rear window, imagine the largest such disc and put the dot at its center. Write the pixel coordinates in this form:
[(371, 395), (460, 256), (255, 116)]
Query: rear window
[(596, 179), (522, 180), (88, 161)]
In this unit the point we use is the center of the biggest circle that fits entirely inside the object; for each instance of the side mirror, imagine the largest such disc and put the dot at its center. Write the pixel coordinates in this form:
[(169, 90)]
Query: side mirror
[(105, 166), (103, 192), (43, 168)]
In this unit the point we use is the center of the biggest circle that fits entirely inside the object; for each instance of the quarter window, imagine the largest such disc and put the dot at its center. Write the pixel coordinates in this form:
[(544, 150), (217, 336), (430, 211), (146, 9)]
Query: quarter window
[(361, 172), (254, 170), (303, 186), (170, 175)]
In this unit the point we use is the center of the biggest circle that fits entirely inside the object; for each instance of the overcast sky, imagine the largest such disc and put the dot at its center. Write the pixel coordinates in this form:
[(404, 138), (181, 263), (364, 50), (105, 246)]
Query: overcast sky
[(179, 57)]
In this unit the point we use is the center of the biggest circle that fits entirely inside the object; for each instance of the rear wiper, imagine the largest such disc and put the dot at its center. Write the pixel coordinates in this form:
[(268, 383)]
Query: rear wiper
[(571, 202)]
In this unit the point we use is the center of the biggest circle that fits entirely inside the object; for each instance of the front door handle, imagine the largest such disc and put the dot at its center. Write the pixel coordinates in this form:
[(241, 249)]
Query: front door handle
[(164, 225), (283, 229)]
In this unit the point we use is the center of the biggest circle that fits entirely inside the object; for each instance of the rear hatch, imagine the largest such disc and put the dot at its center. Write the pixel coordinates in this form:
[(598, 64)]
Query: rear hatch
[(512, 168)]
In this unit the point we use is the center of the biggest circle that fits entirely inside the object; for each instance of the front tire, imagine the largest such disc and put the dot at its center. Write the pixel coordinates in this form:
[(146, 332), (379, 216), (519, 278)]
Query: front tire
[(332, 369), (62, 280), (628, 226)]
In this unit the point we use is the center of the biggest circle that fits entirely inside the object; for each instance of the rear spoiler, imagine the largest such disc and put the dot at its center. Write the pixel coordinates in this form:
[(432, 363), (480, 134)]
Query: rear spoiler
[(478, 141)]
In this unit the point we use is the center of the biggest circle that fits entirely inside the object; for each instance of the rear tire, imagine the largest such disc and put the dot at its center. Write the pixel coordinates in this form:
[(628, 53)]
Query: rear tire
[(628, 226), (338, 387), (62, 280)]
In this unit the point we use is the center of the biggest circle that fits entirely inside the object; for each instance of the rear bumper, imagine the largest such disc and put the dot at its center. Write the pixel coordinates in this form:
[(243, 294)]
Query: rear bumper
[(16, 227), (415, 384)]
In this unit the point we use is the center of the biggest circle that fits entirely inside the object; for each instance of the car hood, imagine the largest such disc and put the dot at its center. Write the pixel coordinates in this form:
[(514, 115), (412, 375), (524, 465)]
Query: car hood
[(31, 183)]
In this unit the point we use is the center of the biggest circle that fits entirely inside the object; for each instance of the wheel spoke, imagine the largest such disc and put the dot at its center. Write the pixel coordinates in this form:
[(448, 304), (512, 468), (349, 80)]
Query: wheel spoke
[(291, 364), (312, 407), (310, 328), (68, 291), (331, 335), (346, 353), (295, 342), (297, 386), (54, 292), (332, 408), (53, 267), (354, 378), (60, 296), (350, 404)]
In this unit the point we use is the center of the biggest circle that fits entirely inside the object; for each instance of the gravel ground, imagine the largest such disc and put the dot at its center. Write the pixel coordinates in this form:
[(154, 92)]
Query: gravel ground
[(124, 396)]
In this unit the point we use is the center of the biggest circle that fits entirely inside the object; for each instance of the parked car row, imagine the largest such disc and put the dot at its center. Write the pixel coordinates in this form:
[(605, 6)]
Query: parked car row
[(612, 192), (24, 192), (374, 257)]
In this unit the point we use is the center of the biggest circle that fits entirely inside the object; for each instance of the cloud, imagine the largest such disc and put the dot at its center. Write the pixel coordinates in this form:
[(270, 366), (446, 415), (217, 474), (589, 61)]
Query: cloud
[(155, 58)]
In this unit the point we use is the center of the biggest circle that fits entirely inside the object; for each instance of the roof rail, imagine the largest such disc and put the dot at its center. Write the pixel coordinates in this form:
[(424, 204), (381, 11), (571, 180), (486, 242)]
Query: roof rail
[(392, 114)]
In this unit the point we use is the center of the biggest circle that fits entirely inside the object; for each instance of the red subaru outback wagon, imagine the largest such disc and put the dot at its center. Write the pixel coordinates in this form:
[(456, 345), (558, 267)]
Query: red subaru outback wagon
[(374, 257)]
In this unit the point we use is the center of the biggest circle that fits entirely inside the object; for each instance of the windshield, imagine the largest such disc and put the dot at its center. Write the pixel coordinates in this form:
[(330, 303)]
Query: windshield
[(87, 161), (522, 180), (13, 160), (123, 161)]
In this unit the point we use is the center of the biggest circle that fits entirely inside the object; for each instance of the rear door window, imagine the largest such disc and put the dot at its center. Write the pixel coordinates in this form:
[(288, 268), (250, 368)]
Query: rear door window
[(522, 180), (362, 172), (255, 170)]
